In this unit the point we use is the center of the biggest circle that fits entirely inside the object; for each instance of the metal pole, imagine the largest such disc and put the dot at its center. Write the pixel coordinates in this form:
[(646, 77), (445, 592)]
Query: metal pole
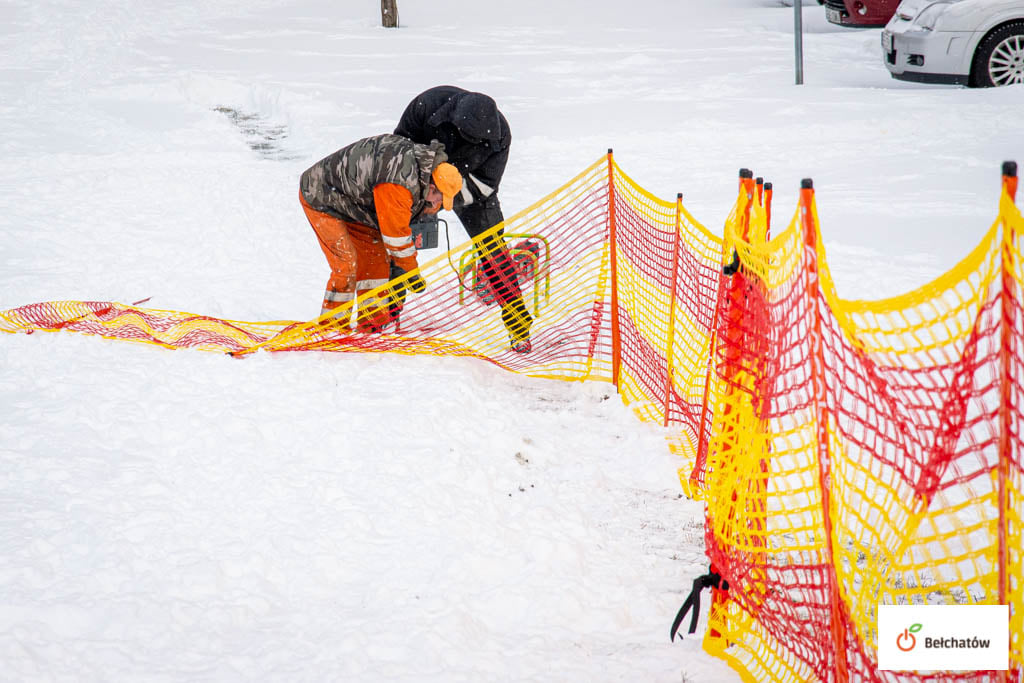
[(798, 37)]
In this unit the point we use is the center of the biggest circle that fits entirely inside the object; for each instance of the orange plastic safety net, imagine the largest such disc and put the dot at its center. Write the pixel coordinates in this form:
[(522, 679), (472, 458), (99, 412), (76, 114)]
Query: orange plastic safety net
[(861, 453)]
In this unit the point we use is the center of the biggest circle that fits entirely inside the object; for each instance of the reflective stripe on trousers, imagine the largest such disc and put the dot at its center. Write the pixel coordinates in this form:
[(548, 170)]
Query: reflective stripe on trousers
[(357, 258)]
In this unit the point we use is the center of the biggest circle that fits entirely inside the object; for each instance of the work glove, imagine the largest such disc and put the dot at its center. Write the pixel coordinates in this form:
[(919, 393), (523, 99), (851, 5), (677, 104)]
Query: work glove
[(417, 285)]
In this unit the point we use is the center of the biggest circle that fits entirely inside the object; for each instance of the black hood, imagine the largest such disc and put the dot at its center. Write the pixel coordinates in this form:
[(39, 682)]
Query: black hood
[(474, 115)]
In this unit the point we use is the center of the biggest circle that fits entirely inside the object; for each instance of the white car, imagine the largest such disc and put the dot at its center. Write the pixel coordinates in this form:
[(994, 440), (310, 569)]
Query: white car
[(964, 42)]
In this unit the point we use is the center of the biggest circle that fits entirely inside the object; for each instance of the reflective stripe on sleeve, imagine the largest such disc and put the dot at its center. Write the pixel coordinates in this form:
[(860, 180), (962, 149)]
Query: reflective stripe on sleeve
[(402, 241), (403, 253)]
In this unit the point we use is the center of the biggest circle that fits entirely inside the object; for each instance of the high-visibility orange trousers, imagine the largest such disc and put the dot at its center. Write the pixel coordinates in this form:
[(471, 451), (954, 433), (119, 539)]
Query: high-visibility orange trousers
[(358, 260)]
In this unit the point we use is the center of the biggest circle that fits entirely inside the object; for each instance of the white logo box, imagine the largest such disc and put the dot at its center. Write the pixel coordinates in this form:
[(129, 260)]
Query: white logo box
[(943, 637)]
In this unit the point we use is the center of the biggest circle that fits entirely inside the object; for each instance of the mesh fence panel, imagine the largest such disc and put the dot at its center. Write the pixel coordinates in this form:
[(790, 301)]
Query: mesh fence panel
[(667, 271), (857, 451), (567, 284), (171, 329), (849, 453)]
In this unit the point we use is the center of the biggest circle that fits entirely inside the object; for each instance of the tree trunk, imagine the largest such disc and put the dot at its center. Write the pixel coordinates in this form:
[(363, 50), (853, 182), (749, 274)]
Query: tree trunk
[(389, 13)]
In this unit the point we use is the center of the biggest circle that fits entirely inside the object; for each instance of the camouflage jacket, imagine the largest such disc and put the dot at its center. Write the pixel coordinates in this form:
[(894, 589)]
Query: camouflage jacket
[(342, 183)]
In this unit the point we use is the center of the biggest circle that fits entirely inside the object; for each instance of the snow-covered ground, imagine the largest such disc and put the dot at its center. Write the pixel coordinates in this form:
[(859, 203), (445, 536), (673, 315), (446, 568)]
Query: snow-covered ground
[(188, 516)]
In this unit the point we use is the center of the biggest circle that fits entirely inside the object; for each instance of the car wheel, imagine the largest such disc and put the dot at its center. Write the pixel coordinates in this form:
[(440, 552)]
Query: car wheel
[(999, 59)]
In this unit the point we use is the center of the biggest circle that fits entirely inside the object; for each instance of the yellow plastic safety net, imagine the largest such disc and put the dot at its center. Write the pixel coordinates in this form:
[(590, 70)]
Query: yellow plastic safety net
[(569, 275), (861, 453), (850, 453)]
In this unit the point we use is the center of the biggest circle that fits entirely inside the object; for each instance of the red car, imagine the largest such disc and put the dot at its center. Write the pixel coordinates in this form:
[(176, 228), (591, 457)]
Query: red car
[(860, 13)]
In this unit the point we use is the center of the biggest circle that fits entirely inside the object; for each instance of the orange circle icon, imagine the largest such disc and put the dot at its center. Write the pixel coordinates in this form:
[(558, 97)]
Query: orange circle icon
[(904, 638)]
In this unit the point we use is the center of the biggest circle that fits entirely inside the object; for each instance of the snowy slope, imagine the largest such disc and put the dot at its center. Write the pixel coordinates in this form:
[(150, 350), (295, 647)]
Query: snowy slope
[(186, 516)]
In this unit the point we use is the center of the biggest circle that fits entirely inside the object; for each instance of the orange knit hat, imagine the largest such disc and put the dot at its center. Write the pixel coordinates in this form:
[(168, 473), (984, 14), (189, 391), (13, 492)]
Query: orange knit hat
[(448, 181)]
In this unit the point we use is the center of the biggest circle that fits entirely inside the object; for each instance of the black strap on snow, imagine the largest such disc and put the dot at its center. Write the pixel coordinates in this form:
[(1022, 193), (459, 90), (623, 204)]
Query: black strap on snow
[(699, 584)]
